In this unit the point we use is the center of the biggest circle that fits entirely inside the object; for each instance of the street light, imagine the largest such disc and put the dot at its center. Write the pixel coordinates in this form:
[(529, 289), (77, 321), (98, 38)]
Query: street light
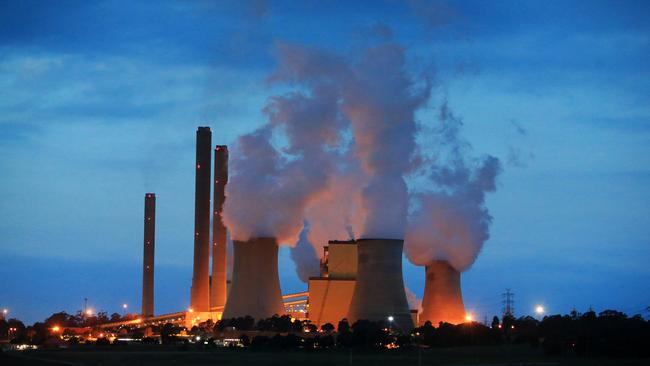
[(539, 309), (5, 311), (469, 318)]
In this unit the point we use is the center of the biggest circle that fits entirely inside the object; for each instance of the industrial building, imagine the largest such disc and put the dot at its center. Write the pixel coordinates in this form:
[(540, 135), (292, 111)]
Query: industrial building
[(359, 279)]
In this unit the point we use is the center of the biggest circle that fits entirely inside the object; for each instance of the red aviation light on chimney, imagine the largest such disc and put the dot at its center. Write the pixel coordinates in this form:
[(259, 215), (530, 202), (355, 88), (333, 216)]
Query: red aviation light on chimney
[(198, 166)]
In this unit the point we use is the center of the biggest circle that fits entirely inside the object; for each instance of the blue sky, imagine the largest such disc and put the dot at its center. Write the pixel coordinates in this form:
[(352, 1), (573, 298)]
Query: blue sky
[(99, 103)]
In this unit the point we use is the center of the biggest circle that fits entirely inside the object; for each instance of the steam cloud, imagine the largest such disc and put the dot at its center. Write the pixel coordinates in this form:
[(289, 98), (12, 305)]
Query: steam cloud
[(451, 221), (373, 101), (348, 132), (304, 256)]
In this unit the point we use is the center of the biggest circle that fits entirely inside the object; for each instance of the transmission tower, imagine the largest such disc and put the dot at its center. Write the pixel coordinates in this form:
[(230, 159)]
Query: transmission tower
[(508, 303)]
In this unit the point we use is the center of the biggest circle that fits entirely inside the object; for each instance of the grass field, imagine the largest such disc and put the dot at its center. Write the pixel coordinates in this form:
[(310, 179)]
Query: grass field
[(143, 356)]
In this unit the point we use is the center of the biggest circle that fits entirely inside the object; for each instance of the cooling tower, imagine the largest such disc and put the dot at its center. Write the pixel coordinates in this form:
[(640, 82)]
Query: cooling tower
[(200, 293), (218, 284), (255, 286), (379, 291), (443, 300), (148, 255)]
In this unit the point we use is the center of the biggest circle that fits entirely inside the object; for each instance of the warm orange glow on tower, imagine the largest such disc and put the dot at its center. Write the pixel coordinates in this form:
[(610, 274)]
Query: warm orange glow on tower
[(443, 300), (218, 285)]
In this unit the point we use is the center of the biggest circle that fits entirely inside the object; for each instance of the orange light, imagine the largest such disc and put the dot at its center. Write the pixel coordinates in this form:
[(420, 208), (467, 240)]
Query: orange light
[(469, 318), (55, 328), (89, 312), (191, 310)]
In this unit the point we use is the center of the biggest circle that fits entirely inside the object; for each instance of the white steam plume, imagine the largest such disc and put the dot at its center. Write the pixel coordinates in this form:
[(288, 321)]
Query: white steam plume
[(451, 221), (380, 100), (269, 189)]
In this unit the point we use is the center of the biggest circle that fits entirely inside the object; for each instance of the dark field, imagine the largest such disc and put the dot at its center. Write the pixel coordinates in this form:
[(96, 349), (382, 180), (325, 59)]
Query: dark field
[(138, 356)]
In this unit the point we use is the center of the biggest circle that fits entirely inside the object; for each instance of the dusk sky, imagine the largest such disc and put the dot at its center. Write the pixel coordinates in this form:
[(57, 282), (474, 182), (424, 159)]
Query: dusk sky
[(100, 101)]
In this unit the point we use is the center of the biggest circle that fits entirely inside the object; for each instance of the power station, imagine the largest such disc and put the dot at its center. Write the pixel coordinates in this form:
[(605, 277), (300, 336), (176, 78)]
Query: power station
[(359, 279)]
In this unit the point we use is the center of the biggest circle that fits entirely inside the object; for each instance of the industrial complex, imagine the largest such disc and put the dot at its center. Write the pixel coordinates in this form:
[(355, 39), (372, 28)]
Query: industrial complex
[(358, 279)]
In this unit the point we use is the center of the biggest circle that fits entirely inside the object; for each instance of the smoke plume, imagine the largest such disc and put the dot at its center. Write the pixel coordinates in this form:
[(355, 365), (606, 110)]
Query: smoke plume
[(333, 181), (451, 221), (347, 131), (305, 257), (380, 101), (270, 189)]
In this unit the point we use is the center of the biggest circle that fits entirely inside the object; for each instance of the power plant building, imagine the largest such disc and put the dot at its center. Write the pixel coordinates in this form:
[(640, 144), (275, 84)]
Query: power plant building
[(330, 293), (359, 279)]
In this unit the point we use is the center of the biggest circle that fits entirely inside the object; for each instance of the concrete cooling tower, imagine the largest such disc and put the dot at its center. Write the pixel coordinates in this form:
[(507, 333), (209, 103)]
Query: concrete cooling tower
[(379, 291), (255, 287), (443, 300)]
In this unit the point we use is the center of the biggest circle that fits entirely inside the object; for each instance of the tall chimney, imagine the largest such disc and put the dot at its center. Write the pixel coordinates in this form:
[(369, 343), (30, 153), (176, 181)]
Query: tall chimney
[(379, 291), (443, 300), (255, 287), (148, 256), (200, 293), (218, 284)]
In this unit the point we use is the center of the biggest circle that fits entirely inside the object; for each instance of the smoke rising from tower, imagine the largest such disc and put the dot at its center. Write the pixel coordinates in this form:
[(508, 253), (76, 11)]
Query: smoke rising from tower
[(336, 150), (350, 131), (451, 222)]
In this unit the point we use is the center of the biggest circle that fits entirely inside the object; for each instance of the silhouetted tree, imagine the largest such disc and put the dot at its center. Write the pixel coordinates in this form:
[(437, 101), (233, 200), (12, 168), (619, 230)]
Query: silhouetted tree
[(495, 322), (327, 327)]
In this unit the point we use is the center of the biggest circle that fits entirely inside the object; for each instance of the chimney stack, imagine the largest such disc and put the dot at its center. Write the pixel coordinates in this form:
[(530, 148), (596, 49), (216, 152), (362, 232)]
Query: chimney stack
[(149, 250), (200, 292), (255, 287), (379, 291), (218, 285)]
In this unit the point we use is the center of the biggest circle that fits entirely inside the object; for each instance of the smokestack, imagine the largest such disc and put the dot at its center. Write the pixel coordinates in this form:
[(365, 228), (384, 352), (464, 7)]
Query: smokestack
[(218, 283), (255, 287), (148, 256), (379, 291), (443, 300), (200, 292)]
